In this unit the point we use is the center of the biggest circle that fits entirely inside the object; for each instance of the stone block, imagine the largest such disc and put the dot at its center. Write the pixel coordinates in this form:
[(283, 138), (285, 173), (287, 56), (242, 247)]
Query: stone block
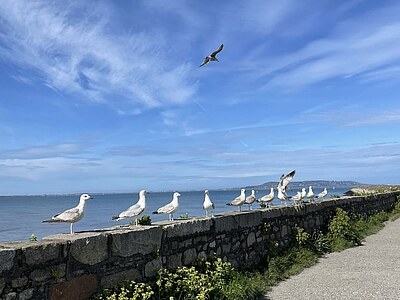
[(19, 282), (6, 259), (226, 222), (152, 267), (2, 284), (26, 294), (251, 239), (189, 256), (78, 288), (144, 240), (40, 275), (11, 296), (270, 213), (187, 227), (174, 261), (43, 251), (89, 248), (249, 218), (114, 279)]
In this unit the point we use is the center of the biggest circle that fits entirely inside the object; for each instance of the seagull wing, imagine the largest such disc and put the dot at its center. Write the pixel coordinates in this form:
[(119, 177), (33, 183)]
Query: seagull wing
[(217, 51), (285, 179), (68, 215), (237, 200), (132, 211), (206, 60), (166, 209)]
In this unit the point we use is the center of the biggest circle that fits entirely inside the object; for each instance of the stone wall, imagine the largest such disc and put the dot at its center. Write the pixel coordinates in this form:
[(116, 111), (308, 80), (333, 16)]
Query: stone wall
[(74, 267)]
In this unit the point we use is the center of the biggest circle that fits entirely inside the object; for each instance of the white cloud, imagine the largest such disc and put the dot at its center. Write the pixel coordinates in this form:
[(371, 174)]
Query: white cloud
[(80, 55)]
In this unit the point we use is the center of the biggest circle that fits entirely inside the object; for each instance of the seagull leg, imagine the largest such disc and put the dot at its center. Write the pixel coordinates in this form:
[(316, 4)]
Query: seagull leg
[(136, 222), (70, 228)]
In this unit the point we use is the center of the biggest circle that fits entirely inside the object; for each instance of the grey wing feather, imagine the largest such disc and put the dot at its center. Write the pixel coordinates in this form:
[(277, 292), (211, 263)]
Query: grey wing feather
[(132, 211), (206, 60), (70, 214), (166, 209), (217, 51), (285, 179)]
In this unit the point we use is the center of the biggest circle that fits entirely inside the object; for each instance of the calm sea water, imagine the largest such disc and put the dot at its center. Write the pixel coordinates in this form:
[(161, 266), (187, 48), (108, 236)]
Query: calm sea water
[(20, 216)]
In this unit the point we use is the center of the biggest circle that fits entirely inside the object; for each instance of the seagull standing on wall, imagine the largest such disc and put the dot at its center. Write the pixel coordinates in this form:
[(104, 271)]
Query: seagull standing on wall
[(212, 56), (281, 196), (135, 210), (310, 194), (170, 208), (267, 198), (207, 204), (239, 200), (72, 215), (250, 199), (323, 193)]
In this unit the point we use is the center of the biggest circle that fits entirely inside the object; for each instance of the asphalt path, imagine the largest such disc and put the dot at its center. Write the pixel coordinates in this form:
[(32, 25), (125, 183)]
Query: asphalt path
[(370, 271)]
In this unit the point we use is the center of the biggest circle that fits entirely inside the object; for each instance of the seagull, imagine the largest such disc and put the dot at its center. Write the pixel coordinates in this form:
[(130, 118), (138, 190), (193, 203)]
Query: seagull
[(207, 204), (267, 198), (239, 200), (170, 208), (310, 194), (71, 215), (303, 193), (135, 210), (322, 194), (250, 199), (297, 198), (212, 56), (284, 181), (282, 196)]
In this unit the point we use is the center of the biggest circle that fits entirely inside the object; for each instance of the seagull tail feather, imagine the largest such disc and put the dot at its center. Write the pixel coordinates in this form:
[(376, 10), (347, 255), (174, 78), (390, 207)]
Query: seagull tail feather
[(50, 221), (116, 218), (155, 212)]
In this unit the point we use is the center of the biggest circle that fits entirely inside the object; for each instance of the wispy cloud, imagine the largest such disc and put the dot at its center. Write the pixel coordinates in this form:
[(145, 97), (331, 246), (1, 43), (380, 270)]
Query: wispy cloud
[(38, 152), (79, 55)]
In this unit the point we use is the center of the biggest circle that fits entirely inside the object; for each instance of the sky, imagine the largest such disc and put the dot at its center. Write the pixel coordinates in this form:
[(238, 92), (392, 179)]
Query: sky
[(108, 96)]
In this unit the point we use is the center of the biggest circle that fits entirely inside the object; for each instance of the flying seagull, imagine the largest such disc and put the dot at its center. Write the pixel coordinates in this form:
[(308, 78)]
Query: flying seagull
[(250, 199), (267, 198), (135, 210), (239, 200), (71, 215), (284, 181), (170, 208), (212, 56), (207, 204)]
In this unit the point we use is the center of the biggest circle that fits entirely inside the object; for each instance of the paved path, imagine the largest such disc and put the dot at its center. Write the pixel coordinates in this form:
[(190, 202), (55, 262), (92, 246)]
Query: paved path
[(371, 271)]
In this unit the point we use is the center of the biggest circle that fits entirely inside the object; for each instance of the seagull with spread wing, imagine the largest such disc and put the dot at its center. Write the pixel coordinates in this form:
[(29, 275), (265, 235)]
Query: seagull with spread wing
[(71, 215), (212, 56), (284, 181)]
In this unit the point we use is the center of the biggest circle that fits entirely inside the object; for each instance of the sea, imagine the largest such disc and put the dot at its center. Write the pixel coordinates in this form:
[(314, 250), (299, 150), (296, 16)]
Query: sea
[(21, 216)]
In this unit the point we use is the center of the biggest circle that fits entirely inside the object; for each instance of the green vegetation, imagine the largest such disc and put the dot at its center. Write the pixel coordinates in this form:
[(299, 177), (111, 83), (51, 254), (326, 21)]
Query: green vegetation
[(215, 279), (145, 220), (33, 238)]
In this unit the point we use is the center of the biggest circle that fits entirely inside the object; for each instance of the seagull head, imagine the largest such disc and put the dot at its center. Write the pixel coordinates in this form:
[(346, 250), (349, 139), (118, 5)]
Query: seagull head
[(85, 197), (143, 193), (206, 192), (176, 194)]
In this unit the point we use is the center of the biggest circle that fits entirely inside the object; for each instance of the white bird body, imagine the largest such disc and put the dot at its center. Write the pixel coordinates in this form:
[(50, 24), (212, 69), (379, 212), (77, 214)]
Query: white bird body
[(281, 196), (323, 193), (135, 210), (310, 193), (212, 56), (207, 204), (71, 215), (250, 199), (303, 193), (297, 198), (171, 207), (239, 200), (267, 198)]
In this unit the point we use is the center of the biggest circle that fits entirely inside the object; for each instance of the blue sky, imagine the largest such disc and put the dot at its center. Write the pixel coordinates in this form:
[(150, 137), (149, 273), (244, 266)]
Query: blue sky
[(107, 96)]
